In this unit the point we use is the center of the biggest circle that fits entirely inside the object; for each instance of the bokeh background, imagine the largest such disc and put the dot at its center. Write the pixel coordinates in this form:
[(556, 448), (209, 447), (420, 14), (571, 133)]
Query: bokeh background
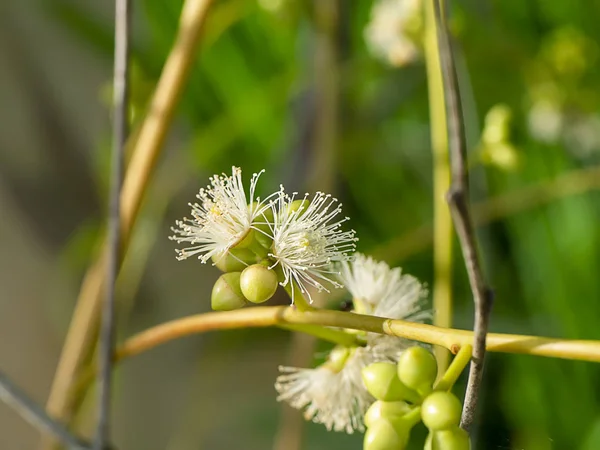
[(293, 87)]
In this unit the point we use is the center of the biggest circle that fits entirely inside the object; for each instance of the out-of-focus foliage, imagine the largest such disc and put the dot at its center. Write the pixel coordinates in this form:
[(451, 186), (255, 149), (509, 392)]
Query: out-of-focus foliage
[(253, 101)]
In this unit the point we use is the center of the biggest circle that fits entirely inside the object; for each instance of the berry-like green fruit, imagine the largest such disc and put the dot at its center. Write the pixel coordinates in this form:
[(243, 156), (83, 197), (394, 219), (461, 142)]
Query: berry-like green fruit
[(451, 439), (226, 294), (382, 382), (235, 260), (258, 283), (386, 435), (441, 410), (417, 369), (385, 410)]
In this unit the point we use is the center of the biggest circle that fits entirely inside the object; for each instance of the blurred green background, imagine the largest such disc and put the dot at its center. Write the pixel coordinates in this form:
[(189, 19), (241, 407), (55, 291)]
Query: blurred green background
[(291, 86)]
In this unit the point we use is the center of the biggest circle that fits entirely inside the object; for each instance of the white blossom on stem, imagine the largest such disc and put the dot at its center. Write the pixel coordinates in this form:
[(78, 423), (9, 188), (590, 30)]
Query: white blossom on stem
[(334, 394), (222, 219), (308, 240)]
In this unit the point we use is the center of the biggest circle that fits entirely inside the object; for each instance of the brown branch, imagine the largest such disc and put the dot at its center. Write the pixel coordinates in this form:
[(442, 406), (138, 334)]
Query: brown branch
[(13, 396), (458, 200), (120, 131)]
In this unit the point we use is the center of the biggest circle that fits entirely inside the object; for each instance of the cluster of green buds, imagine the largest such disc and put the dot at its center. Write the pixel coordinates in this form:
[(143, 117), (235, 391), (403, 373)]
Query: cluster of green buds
[(405, 396)]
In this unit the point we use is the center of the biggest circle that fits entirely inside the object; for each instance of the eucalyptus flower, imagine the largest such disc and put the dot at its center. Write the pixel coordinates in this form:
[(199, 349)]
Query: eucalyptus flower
[(308, 240), (333, 393), (223, 219)]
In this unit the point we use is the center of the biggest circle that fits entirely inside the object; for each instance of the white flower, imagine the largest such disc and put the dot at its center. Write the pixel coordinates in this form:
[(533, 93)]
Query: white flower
[(379, 290), (336, 398), (307, 240), (388, 34), (222, 219), (333, 394)]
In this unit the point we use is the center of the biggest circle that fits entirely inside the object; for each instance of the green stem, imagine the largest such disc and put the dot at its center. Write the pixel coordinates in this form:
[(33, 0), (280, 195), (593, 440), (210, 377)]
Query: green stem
[(442, 226), (413, 417), (327, 334), (457, 366)]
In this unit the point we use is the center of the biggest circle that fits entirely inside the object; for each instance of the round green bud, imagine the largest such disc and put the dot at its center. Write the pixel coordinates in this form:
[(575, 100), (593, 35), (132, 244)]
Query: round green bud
[(226, 294), (441, 410), (452, 439), (258, 283), (386, 434), (235, 260), (385, 410), (382, 382), (417, 369)]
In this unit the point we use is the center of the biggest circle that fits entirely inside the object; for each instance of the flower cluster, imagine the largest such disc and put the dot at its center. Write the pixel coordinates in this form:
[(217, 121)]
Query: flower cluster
[(300, 243), (333, 394), (300, 239)]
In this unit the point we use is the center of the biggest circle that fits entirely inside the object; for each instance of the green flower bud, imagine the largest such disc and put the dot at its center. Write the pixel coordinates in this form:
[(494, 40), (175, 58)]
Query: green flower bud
[(441, 410), (235, 260), (386, 434), (452, 439), (385, 410), (226, 293), (258, 283), (382, 382), (417, 369)]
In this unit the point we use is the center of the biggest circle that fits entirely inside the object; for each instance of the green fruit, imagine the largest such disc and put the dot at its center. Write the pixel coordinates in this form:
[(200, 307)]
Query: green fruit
[(382, 382), (441, 410), (226, 294), (235, 260), (417, 369), (386, 435), (258, 283), (451, 439), (385, 410)]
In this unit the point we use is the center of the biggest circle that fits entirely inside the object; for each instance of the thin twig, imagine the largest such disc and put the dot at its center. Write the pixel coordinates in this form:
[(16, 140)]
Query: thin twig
[(13, 396), (147, 148), (458, 199), (120, 132)]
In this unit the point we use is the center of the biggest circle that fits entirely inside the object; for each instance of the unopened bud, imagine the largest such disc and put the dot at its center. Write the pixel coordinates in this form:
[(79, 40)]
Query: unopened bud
[(386, 435), (226, 293), (385, 410), (453, 439), (382, 382), (441, 410), (417, 369), (258, 283)]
